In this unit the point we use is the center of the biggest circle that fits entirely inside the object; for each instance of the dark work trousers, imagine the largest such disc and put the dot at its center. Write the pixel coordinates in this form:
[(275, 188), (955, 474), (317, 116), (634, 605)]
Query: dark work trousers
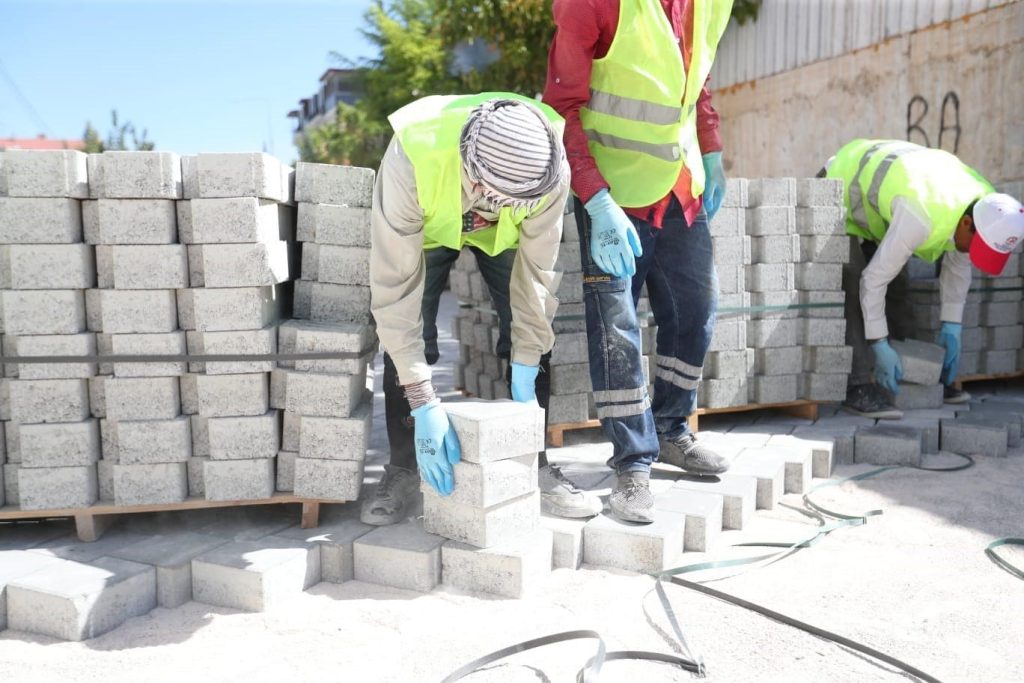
[(497, 273)]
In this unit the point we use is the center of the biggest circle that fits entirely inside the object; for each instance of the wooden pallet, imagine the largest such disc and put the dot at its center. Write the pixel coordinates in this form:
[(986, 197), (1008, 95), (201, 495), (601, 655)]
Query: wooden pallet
[(987, 378), (807, 410), (92, 521)]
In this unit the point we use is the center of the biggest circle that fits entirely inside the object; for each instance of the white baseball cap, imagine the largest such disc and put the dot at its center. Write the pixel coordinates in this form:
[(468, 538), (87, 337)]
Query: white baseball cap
[(999, 222)]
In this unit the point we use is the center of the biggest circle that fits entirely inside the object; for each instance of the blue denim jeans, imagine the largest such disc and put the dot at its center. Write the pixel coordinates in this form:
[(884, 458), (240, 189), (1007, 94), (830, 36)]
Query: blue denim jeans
[(497, 273), (679, 269)]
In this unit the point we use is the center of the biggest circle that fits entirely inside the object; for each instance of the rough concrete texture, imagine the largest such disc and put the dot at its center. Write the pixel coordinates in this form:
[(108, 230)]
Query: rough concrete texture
[(567, 537), (255, 575), (771, 221), (825, 387), (338, 480), (242, 438), (480, 527), (823, 332), (608, 542), (47, 266), (237, 175), (336, 537), (72, 444), (888, 445), (814, 441), (234, 308), (83, 344), (329, 302), (767, 277), (490, 431), (512, 569), (240, 265), (567, 409), (238, 479), (343, 265), (151, 483), (974, 435), (768, 468), (739, 495), (51, 173), (135, 175), (918, 396), (167, 343), (15, 564), (317, 394), (286, 470), (402, 555), (40, 221), (797, 458), (42, 312), (336, 438), (306, 336), (150, 266), (171, 555), (703, 512), (828, 359), (492, 483), (138, 311), (142, 398), (334, 224), (233, 395), (48, 400), (929, 428), (825, 248), (819, 276), (722, 393), (146, 442), (332, 184), (233, 220), (241, 342), (773, 388), (774, 249), (922, 362), (48, 488), (772, 332), (820, 220), (196, 476), (129, 221)]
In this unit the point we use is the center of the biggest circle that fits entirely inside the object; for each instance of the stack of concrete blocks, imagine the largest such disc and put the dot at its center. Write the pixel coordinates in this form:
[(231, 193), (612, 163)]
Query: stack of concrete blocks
[(52, 442), (141, 265), (328, 411), (493, 514), (237, 220)]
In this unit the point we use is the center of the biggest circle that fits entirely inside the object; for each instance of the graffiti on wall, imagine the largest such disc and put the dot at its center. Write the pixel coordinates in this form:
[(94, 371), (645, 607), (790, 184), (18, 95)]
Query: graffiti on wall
[(947, 136)]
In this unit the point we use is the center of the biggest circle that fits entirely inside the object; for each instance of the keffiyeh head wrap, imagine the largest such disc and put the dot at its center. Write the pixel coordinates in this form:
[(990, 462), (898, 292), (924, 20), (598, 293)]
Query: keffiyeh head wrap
[(512, 150)]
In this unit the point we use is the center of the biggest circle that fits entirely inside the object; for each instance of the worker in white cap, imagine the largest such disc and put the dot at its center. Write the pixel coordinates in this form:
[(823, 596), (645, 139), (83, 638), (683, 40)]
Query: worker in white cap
[(485, 172), (905, 200)]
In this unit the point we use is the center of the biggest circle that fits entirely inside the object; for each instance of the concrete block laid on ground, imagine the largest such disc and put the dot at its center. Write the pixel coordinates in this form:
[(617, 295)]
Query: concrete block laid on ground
[(512, 569), (401, 556), (703, 512), (770, 472), (481, 527), (888, 445), (74, 601), (15, 564), (255, 575), (608, 542), (796, 457), (974, 435), (336, 540), (922, 362), (239, 479), (171, 555), (567, 536), (739, 496), (811, 440)]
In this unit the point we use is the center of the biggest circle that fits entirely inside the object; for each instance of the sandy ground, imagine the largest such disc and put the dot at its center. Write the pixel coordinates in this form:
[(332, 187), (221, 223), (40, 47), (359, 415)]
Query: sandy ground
[(913, 582)]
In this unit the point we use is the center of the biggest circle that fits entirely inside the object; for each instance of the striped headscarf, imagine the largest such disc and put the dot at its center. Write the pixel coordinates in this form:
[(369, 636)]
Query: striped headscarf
[(511, 149)]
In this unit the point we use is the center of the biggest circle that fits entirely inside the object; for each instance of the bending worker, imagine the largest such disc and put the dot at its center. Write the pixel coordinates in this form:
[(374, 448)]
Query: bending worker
[(905, 200), (486, 172), (641, 136)]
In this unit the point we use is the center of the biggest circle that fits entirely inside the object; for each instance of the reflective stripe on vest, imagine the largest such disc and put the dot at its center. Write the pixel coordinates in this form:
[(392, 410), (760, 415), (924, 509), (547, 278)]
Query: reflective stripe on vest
[(857, 212)]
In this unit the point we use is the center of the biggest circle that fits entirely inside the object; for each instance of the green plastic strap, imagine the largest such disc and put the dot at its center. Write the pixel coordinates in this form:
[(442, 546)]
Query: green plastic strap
[(1002, 562)]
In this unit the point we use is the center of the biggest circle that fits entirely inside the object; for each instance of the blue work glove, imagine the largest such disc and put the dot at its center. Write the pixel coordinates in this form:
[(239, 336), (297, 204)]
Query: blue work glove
[(714, 183), (524, 382), (614, 244), (888, 367), (437, 446), (949, 337)]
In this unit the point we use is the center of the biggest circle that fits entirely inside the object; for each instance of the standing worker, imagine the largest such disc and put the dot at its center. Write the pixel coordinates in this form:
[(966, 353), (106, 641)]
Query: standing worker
[(905, 200), (641, 137), (487, 172)]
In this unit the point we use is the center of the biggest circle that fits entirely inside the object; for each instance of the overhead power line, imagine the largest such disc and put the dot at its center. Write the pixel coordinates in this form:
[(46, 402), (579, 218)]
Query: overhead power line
[(33, 112)]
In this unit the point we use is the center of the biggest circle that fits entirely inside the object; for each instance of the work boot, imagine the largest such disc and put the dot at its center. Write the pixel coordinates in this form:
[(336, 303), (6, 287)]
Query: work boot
[(954, 396), (392, 498), (686, 453), (631, 499), (867, 400), (561, 498)]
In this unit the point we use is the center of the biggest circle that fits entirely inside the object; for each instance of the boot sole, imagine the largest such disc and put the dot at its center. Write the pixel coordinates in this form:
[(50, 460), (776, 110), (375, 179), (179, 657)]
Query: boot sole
[(645, 519), (566, 513), (957, 401), (892, 414)]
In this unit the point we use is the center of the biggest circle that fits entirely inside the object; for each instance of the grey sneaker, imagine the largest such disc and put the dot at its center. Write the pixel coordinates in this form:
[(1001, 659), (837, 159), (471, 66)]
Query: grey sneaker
[(954, 396), (867, 400), (631, 500), (686, 453), (561, 498), (392, 498)]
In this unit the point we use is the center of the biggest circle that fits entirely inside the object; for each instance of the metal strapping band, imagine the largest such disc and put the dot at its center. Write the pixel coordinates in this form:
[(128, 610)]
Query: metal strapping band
[(634, 109), (620, 395), (192, 357), (623, 409), (680, 366), (677, 379), (664, 152)]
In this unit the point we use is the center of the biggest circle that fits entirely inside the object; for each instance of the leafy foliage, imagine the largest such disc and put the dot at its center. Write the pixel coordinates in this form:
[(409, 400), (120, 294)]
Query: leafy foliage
[(122, 136)]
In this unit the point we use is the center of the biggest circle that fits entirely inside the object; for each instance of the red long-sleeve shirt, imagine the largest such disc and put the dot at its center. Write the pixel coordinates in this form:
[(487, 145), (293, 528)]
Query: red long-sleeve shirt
[(584, 32)]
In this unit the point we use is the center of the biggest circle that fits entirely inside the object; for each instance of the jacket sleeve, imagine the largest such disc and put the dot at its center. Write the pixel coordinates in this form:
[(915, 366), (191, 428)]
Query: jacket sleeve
[(954, 283), (397, 265), (534, 280)]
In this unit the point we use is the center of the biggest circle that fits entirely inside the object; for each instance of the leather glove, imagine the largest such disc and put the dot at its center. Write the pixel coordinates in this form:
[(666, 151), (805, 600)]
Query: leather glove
[(949, 337), (714, 183), (437, 446), (524, 382), (614, 244), (888, 367)]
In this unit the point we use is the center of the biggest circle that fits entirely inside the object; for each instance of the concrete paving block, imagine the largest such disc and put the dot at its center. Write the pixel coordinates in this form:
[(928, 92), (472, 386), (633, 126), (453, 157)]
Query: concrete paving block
[(343, 265), (334, 224), (929, 429), (608, 542), (196, 477), (491, 431), (146, 442), (1000, 313), (998, 362), (189, 393), (771, 220), (769, 469), (336, 540), (922, 362), (234, 342), (819, 276), (739, 495), (821, 220), (55, 311), (239, 479), (165, 343), (94, 316), (828, 359), (240, 175), (731, 279), (773, 389), (25, 220), (568, 409), (819, 192), (722, 393), (320, 395), (721, 365), (772, 191), (45, 488), (171, 555), (918, 396), (238, 308), (74, 601), (703, 513), (729, 335), (818, 446), (47, 266), (49, 173), (567, 537), (1010, 337), (513, 569), (105, 480), (767, 277), (151, 483), (339, 303), (973, 435), (568, 258), (142, 398), (772, 332), (774, 249), (736, 192), (888, 445), (150, 266), (129, 221), (825, 248), (823, 304), (824, 386), (72, 444), (332, 184), (135, 175), (10, 483), (286, 470), (570, 288), (243, 438), (401, 556), (786, 360), (255, 575), (337, 438), (797, 456), (823, 332), (291, 429), (15, 564), (138, 311), (729, 222), (27, 346), (570, 379), (48, 400), (306, 336), (492, 483), (234, 220), (233, 395), (481, 527), (734, 250), (570, 349), (242, 265)]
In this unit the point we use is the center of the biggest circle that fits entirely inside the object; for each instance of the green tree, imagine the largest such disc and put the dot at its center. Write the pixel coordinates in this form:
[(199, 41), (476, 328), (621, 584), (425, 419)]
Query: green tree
[(122, 136)]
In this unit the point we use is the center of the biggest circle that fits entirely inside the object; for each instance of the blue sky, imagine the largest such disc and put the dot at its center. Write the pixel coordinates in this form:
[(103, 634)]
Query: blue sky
[(199, 75)]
